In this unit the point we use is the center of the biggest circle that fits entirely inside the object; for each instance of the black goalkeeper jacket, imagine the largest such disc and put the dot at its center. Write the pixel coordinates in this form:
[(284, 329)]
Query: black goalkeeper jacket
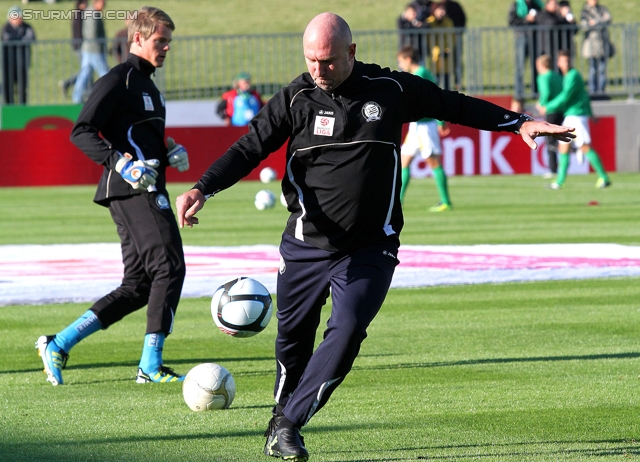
[(125, 112), (343, 170)]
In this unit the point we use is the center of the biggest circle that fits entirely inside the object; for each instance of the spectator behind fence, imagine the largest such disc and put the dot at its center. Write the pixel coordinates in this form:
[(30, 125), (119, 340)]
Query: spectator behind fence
[(554, 34), (240, 104), (441, 44), (424, 8), (569, 32), (76, 42), (455, 11), (412, 29), (597, 47), (93, 49), (17, 36), (119, 45), (522, 16)]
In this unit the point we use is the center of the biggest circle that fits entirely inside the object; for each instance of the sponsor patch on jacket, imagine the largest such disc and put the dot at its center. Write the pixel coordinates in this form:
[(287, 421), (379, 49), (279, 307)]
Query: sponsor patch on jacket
[(324, 126), (162, 201), (148, 102), (371, 111)]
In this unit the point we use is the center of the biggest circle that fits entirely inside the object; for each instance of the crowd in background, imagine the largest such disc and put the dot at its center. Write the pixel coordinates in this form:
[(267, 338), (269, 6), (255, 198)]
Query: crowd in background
[(546, 28), (434, 28)]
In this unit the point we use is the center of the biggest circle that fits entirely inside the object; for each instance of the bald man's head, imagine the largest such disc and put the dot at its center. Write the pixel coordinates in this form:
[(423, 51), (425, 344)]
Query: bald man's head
[(328, 50)]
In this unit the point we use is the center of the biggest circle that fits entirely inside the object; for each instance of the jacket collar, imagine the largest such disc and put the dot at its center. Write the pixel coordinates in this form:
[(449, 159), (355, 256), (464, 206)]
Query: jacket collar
[(141, 64), (354, 77)]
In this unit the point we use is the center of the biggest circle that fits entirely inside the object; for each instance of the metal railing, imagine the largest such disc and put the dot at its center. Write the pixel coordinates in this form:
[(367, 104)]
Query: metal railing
[(497, 61)]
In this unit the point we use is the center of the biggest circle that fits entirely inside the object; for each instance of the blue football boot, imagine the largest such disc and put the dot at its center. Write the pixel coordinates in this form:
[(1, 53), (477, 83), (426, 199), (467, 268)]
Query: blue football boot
[(162, 375), (53, 358)]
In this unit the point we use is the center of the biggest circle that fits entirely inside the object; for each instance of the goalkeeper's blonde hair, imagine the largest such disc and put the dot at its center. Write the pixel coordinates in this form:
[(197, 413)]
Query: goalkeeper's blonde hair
[(146, 21)]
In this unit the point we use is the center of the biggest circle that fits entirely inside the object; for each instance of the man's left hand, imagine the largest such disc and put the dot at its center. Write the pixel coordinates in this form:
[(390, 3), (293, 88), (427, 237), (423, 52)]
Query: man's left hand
[(178, 157), (531, 129)]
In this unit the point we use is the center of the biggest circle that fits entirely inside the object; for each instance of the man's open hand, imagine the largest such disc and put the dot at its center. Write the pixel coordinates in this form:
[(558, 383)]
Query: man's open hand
[(533, 128)]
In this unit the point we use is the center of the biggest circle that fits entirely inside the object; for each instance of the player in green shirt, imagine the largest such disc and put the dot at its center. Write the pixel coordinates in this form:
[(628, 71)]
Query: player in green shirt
[(575, 103), (549, 86), (423, 137)]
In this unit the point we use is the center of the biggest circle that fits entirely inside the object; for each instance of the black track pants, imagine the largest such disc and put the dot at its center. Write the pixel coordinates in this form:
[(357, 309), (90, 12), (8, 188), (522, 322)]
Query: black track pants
[(154, 267), (358, 282)]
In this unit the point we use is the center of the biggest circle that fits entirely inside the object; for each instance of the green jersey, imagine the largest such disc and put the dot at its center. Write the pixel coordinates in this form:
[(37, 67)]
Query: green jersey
[(426, 74), (573, 99), (549, 86)]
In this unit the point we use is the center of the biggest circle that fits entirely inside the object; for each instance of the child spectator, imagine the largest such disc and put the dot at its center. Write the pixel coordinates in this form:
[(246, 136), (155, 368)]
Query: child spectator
[(240, 104)]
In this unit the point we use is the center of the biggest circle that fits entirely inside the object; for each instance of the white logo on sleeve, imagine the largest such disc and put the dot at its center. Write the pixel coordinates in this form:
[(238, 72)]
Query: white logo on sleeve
[(148, 102), (324, 126)]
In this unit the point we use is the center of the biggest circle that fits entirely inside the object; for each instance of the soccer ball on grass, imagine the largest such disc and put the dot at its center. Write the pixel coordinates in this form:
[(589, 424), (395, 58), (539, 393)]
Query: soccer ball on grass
[(207, 387), (264, 199)]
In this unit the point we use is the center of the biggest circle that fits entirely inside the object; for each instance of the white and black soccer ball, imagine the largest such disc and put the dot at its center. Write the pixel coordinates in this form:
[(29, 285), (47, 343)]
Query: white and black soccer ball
[(241, 307), (265, 199), (267, 175), (207, 387)]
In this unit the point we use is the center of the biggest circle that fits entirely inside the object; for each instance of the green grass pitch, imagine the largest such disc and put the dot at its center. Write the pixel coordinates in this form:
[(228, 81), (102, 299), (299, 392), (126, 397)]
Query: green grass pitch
[(541, 371)]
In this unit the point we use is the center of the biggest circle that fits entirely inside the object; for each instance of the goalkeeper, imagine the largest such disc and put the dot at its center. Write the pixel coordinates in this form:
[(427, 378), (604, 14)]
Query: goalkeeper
[(121, 127)]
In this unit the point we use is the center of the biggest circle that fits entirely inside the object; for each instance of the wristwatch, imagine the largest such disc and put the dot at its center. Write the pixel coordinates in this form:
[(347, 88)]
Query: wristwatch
[(522, 119)]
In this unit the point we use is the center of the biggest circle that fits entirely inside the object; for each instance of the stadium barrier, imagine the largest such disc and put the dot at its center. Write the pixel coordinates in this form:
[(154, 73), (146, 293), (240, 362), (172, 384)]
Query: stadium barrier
[(477, 61), (42, 157)]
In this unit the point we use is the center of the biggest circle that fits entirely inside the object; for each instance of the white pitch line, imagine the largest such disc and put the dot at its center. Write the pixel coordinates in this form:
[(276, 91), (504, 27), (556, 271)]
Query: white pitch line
[(36, 274)]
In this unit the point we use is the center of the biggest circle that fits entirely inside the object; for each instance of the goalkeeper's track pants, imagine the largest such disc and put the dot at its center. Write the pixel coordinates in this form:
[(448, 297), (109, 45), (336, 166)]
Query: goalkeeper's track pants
[(154, 267)]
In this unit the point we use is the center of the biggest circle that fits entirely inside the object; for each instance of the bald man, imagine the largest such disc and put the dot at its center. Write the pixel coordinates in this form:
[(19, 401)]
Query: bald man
[(343, 123)]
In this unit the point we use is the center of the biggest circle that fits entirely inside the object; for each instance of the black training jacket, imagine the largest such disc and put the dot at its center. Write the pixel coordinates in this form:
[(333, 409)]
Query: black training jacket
[(125, 112), (343, 170)]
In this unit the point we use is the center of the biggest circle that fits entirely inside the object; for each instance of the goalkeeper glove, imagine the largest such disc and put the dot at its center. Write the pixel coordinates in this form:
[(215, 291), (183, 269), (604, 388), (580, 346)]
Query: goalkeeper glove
[(138, 173), (178, 157)]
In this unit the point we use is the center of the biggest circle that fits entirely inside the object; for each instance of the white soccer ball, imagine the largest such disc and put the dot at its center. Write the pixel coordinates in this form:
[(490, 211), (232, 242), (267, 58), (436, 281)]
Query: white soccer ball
[(241, 307), (207, 387), (283, 200), (267, 175), (265, 200)]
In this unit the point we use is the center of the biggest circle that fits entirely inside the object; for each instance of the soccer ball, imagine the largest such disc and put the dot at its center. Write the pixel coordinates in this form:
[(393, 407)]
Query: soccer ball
[(208, 386), (283, 200), (241, 307), (267, 175), (265, 200)]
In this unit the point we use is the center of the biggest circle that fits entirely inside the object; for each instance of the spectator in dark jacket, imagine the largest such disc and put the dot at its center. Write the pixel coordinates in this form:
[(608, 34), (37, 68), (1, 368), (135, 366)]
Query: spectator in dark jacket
[(522, 16), (17, 36), (555, 29), (455, 11), (412, 28)]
